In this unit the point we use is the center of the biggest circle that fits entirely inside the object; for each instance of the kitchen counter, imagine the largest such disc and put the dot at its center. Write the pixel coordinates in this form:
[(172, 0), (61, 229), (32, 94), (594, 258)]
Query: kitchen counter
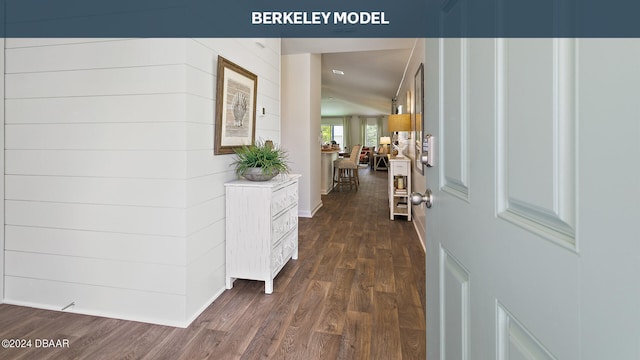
[(326, 171)]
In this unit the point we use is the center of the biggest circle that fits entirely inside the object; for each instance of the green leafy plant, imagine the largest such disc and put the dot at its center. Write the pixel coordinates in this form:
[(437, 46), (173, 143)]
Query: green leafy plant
[(270, 158)]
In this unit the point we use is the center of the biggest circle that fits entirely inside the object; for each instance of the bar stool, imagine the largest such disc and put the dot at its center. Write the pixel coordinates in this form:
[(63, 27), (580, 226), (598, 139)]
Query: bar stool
[(346, 170)]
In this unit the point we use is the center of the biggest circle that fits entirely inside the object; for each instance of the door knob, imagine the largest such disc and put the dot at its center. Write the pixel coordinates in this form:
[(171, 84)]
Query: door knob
[(417, 198)]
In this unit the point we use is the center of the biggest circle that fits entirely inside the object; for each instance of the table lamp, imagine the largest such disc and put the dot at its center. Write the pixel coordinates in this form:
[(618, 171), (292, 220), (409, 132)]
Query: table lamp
[(385, 141), (399, 122)]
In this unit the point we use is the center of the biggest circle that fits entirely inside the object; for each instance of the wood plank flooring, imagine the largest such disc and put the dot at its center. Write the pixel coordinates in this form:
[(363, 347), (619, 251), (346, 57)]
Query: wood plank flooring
[(356, 292)]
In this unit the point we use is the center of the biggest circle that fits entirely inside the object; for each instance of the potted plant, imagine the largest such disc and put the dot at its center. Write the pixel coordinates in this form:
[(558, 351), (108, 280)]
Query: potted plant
[(260, 162)]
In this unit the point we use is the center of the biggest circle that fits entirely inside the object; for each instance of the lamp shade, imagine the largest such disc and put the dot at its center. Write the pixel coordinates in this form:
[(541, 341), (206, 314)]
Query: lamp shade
[(399, 122), (385, 140)]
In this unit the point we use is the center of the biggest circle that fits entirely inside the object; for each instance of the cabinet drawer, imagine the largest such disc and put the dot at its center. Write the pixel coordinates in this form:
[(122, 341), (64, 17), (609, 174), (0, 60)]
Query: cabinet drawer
[(283, 250), (401, 169), (283, 223), (290, 243), (283, 198), (277, 258)]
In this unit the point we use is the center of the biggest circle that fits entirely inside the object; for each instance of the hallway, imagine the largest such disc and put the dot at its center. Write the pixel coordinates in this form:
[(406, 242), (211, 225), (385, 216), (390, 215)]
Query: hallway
[(356, 292)]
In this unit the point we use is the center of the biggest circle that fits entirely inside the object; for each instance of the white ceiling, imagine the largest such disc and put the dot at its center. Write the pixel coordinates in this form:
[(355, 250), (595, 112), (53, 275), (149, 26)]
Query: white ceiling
[(373, 71)]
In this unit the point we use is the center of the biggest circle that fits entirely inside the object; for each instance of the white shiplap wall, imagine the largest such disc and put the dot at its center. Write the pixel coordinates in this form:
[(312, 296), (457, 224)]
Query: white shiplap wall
[(114, 199), (2, 165), (206, 174)]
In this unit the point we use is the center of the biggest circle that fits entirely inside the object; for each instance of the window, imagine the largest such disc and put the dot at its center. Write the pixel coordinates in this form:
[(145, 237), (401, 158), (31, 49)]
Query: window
[(332, 132), (371, 135)]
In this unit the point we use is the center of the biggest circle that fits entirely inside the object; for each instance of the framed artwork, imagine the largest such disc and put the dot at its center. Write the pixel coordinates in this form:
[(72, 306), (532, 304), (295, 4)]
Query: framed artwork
[(418, 111), (236, 93)]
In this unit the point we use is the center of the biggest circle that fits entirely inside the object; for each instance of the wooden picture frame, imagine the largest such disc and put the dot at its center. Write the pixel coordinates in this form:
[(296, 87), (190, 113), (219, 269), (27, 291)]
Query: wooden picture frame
[(235, 118), (418, 113)]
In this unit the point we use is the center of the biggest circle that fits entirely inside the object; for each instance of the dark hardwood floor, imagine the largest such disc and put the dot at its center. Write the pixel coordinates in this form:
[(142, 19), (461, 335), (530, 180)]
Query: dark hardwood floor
[(357, 291)]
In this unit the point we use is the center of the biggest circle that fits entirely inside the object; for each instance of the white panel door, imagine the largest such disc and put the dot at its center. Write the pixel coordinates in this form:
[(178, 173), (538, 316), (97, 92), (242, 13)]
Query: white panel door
[(533, 244)]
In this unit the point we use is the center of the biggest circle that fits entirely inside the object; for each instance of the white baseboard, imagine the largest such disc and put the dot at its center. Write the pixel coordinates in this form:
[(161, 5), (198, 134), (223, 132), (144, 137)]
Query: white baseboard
[(180, 324), (204, 307), (420, 235), (123, 310), (309, 214), (315, 210)]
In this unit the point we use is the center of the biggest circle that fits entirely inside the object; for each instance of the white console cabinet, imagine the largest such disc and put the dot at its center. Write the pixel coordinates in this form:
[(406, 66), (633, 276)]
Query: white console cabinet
[(399, 187), (261, 228)]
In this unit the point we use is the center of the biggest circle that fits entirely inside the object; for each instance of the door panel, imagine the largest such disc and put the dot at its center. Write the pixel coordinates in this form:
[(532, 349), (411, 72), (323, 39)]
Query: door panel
[(455, 141), (516, 342), (454, 297), (532, 241), (535, 126)]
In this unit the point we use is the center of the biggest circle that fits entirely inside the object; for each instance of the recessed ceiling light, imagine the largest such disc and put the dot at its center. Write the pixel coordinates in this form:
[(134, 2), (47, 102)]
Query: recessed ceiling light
[(338, 72)]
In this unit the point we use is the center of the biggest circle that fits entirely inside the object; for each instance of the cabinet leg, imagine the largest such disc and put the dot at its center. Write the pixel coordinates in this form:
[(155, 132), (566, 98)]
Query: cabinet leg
[(229, 282), (295, 254), (268, 287)]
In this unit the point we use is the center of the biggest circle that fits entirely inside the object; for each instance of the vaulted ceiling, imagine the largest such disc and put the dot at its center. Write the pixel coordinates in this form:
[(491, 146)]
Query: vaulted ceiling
[(373, 71)]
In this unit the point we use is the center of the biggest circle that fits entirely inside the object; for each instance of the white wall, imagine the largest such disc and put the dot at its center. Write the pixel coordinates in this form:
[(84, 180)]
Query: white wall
[(206, 173), (301, 86), (315, 111), (418, 180), (2, 166), (114, 199)]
